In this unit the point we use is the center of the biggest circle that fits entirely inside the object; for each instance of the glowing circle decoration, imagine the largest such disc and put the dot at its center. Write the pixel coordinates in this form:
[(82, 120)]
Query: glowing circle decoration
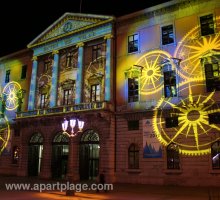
[(194, 133), (4, 132), (192, 48), (10, 95), (150, 81)]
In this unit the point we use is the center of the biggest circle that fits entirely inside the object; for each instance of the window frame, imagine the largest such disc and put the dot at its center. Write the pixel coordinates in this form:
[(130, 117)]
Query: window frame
[(96, 96), (161, 34), (133, 94), (133, 156), (174, 158), (132, 46), (216, 153), (67, 98), (43, 100), (170, 85), (200, 24), (24, 71), (7, 75)]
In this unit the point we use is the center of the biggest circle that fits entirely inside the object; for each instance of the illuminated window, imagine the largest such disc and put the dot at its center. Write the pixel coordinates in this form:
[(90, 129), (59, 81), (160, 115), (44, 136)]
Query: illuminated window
[(133, 94), (67, 97), (214, 118), (23, 72), (43, 99), (170, 84), (207, 25), (215, 151), (95, 93), (96, 51), (15, 158), (133, 156), (171, 122), (212, 73), (133, 43), (133, 125), (167, 35), (7, 76), (173, 160)]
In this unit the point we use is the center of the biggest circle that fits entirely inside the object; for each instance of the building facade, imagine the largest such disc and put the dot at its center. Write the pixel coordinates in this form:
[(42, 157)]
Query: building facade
[(145, 84), (167, 94)]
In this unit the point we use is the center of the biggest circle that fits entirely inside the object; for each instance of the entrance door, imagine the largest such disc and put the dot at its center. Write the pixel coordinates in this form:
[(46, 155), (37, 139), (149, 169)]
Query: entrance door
[(89, 155), (35, 154)]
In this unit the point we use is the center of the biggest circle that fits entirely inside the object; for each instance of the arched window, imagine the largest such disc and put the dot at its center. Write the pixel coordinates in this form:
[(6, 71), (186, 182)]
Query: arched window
[(16, 151), (173, 160), (36, 139), (133, 156), (215, 151)]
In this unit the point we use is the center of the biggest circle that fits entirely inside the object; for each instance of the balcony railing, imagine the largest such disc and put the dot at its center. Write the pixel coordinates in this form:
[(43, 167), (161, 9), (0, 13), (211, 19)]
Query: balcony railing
[(62, 109)]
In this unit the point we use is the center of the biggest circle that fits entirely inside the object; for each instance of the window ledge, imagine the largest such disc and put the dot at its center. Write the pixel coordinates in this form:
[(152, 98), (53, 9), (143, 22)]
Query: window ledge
[(173, 171), (133, 170)]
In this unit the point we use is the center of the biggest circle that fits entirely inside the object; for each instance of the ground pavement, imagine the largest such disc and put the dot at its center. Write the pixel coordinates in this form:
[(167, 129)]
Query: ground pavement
[(119, 192)]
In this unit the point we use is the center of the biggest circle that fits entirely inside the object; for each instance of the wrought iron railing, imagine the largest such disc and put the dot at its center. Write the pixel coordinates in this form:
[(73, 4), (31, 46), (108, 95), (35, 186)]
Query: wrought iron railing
[(62, 109)]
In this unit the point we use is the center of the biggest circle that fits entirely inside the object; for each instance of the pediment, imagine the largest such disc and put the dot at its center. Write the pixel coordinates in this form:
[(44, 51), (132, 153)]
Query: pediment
[(67, 24)]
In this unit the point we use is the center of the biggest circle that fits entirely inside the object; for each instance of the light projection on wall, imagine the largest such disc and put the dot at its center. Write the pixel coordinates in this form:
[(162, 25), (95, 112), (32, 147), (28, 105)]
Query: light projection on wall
[(4, 132), (190, 50), (150, 81), (10, 95), (193, 133)]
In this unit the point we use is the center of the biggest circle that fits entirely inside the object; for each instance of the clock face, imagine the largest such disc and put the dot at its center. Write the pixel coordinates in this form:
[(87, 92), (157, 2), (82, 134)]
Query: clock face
[(67, 27)]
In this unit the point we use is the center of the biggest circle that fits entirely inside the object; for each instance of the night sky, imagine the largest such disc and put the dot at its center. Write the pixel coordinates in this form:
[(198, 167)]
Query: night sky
[(22, 21)]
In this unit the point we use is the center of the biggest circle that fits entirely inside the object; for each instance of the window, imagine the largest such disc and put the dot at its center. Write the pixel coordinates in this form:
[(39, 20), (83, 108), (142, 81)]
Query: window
[(15, 157), (69, 59), (133, 125), (173, 161), (47, 64), (170, 84), (214, 118), (171, 122), (133, 157), (7, 76), (167, 35), (215, 152), (133, 43), (96, 51), (133, 94), (212, 73), (95, 93), (43, 98), (23, 72), (207, 25), (67, 97)]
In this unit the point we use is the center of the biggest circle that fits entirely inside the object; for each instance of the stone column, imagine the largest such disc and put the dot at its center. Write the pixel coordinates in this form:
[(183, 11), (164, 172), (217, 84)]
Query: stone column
[(79, 73), (32, 92), (108, 67), (53, 94)]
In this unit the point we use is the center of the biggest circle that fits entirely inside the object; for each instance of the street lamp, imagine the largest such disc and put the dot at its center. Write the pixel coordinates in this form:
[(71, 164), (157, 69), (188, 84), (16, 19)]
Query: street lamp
[(72, 123)]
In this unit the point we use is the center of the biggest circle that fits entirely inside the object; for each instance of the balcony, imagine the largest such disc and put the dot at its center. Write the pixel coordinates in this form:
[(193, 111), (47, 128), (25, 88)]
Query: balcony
[(62, 109)]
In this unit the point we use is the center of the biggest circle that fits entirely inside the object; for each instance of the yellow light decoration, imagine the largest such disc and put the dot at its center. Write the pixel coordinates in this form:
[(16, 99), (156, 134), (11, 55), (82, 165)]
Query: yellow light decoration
[(193, 134), (191, 49), (4, 132), (10, 92), (150, 81)]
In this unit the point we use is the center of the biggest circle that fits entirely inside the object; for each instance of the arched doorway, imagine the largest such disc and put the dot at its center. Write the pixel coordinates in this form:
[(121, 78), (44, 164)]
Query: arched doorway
[(89, 155), (35, 154), (60, 151)]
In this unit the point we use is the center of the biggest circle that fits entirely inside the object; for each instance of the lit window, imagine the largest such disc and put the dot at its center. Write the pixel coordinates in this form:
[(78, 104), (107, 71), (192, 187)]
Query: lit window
[(95, 93), (207, 25), (133, 157), (133, 90), (215, 151), (167, 35), (67, 97), (173, 161), (212, 73), (133, 43), (7, 76), (16, 151), (170, 84), (43, 98)]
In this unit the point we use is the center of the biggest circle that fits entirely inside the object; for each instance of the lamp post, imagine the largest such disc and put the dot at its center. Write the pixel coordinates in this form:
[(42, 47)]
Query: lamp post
[(73, 125)]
